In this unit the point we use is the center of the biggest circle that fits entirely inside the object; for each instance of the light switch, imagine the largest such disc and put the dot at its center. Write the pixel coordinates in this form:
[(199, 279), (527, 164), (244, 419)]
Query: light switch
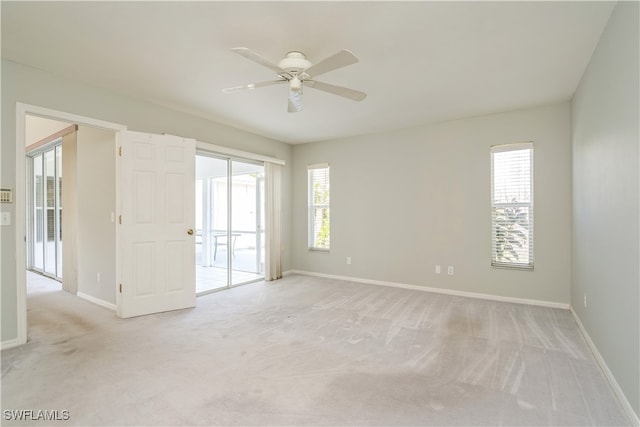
[(6, 195), (5, 218)]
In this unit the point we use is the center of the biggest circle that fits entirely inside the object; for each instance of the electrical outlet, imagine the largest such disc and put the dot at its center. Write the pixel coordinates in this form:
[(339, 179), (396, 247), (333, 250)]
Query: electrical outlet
[(437, 268), (450, 270), (585, 300), (348, 260)]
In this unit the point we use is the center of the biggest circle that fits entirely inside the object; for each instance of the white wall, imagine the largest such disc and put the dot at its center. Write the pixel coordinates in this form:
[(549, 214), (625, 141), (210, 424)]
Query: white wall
[(31, 86), (96, 198), (404, 201), (606, 199), (69, 212)]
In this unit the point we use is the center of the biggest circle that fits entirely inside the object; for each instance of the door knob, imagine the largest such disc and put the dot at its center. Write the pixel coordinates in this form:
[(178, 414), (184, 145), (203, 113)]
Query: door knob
[(190, 232)]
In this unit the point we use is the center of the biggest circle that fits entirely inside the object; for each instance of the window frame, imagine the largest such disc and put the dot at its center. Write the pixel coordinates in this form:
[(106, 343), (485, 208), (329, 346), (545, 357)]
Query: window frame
[(513, 265), (312, 206)]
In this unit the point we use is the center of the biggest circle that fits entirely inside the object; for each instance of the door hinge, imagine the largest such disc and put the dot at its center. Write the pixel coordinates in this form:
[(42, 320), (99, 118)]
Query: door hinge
[(120, 151), (120, 287), (119, 219)]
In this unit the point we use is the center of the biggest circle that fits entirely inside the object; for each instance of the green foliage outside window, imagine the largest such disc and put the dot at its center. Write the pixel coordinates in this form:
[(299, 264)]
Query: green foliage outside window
[(321, 198), (511, 233)]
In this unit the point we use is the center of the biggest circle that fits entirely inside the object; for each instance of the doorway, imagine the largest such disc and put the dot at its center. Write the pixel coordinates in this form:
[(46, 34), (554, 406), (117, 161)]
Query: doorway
[(229, 222), (70, 212)]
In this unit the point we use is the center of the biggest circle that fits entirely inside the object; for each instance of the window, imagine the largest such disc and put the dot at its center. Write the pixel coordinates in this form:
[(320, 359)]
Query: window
[(318, 194), (512, 206)]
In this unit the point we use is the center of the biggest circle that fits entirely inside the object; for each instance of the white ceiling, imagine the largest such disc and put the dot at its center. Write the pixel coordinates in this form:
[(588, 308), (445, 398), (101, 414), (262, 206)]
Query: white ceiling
[(420, 62)]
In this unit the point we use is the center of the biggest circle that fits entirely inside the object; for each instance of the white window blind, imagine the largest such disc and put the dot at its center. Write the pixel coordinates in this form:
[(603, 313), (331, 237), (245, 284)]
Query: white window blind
[(319, 202), (512, 205)]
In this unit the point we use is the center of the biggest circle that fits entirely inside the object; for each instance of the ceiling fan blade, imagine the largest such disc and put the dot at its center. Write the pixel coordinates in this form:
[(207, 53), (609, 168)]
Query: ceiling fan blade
[(252, 86), (295, 102), (249, 54), (337, 90), (339, 60)]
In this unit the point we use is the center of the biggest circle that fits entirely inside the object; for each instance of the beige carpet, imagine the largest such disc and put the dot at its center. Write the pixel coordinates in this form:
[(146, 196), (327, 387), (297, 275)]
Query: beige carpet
[(304, 351)]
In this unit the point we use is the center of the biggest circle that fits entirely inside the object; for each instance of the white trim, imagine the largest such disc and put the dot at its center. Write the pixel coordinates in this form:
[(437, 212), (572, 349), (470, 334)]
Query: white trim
[(5, 345), (20, 199), (628, 409), (118, 207), (524, 301), (48, 113), (97, 301), (232, 152), (20, 227), (318, 166), (511, 146)]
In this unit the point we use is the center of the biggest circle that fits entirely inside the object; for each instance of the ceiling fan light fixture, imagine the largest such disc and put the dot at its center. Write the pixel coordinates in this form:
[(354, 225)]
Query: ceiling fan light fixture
[(295, 84), (295, 102)]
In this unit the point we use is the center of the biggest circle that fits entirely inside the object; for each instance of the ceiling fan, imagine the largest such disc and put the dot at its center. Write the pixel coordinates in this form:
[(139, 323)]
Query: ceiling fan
[(296, 71)]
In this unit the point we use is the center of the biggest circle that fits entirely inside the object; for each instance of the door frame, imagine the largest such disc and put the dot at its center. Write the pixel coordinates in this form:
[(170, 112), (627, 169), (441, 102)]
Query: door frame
[(21, 199)]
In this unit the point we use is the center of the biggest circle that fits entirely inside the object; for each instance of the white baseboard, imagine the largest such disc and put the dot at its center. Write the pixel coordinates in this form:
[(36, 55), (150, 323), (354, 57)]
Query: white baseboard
[(633, 417), (97, 301), (4, 345), (434, 290)]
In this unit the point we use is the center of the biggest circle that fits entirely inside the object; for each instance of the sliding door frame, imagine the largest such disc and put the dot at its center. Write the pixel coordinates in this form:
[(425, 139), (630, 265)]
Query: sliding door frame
[(207, 152), (259, 199), (227, 160), (54, 146)]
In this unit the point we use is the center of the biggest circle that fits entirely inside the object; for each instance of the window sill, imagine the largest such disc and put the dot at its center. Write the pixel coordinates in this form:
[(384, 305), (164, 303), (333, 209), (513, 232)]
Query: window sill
[(319, 250), (512, 267)]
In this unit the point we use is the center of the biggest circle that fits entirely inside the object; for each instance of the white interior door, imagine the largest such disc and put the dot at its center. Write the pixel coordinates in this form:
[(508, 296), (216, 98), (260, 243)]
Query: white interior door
[(157, 238)]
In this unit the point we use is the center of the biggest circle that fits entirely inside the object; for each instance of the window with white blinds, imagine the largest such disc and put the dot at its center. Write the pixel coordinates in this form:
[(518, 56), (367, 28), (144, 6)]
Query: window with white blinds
[(512, 206), (319, 202)]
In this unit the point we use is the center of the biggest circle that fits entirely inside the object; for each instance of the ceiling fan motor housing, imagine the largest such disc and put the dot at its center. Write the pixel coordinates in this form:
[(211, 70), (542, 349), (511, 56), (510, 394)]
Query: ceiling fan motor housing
[(294, 63)]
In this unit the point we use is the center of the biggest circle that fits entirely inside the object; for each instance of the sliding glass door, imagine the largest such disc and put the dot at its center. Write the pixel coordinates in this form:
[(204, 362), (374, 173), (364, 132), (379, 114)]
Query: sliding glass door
[(247, 222), (229, 222), (211, 223), (45, 221)]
